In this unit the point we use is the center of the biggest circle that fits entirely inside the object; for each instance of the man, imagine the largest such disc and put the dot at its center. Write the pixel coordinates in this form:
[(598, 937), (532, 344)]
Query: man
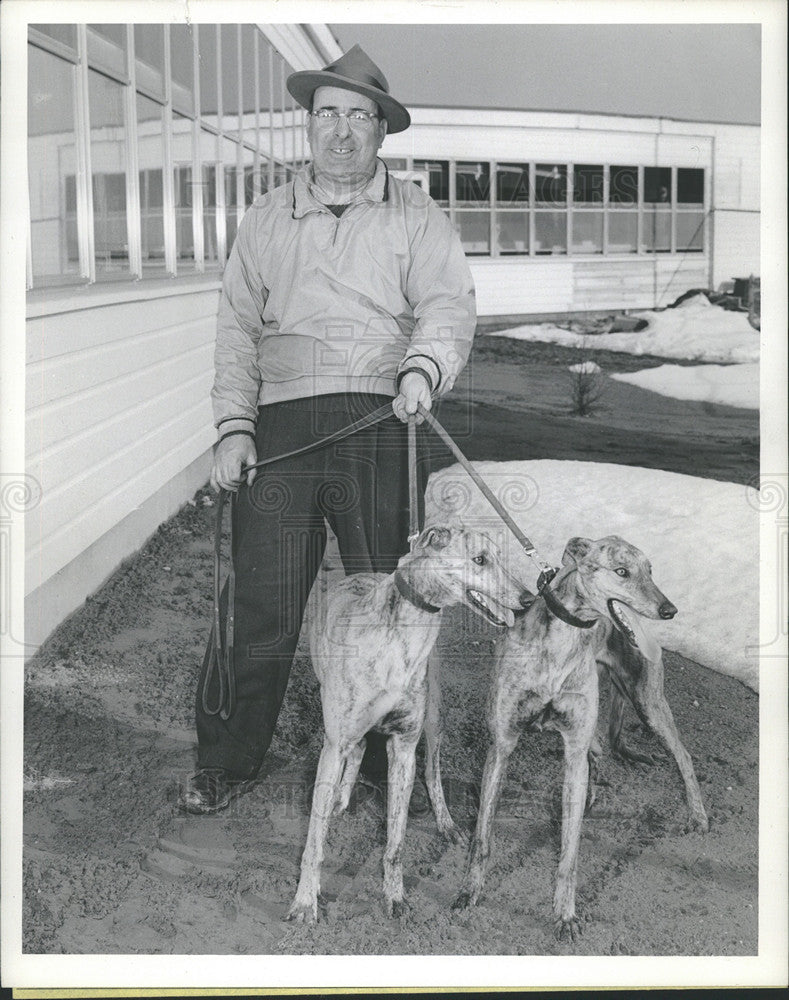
[(345, 288)]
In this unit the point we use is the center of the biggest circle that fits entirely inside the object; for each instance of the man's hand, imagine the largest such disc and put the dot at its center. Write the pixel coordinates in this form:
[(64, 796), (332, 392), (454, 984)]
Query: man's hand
[(231, 455), (414, 389)]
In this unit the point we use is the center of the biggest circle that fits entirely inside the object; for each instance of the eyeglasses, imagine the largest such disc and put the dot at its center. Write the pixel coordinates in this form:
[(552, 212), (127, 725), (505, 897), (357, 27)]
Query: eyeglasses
[(356, 119)]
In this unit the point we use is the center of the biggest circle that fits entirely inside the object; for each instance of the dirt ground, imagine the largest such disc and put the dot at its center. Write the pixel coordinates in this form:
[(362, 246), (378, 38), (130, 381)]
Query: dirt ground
[(110, 866)]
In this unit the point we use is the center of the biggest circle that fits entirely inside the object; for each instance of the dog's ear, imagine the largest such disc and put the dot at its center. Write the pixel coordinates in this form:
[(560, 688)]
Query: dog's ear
[(435, 538), (576, 549)]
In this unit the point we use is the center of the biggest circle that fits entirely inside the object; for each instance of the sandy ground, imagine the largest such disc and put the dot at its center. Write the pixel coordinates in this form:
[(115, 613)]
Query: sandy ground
[(111, 867)]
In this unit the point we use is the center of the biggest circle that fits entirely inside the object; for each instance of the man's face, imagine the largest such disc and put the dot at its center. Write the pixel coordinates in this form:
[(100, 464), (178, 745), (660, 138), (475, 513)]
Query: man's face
[(343, 153)]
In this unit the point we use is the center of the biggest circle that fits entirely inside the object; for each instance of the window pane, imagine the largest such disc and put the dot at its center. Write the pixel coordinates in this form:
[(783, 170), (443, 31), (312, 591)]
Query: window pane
[(623, 186), (438, 172), (52, 165), (512, 232), (115, 33), (182, 61), (551, 184), (472, 183), (150, 157), (474, 229), (149, 45), (690, 231), (229, 77), (657, 230), (657, 185), (108, 164), (587, 185), (690, 186), (208, 193), (622, 232), (512, 183), (65, 33), (184, 193), (208, 71), (550, 232), (232, 214), (587, 232)]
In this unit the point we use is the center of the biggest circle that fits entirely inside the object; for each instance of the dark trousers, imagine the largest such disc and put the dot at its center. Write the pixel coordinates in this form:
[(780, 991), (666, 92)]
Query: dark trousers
[(360, 487)]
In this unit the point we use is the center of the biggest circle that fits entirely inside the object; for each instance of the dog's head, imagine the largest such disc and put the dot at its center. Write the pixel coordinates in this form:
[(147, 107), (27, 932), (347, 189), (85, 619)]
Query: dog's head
[(615, 579), (451, 564)]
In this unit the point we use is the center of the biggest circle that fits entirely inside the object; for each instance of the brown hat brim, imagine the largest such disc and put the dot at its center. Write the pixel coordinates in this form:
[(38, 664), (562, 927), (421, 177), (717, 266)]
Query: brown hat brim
[(302, 86)]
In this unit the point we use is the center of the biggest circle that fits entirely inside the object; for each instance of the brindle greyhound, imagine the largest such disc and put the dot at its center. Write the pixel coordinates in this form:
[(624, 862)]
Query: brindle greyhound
[(370, 643), (546, 674)]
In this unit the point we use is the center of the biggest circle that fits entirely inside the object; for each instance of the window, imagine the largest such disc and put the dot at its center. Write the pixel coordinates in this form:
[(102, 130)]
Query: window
[(587, 214), (128, 218), (512, 208), (438, 174), (108, 169), (150, 157), (623, 210), (690, 210), (550, 219), (52, 167)]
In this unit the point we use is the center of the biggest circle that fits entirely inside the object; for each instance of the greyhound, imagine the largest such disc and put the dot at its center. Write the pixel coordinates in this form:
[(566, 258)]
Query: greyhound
[(546, 676), (370, 643)]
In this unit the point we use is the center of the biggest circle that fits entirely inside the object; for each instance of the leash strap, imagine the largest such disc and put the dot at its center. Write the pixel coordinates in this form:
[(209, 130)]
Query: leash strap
[(413, 499), (490, 496), (547, 572), (221, 654)]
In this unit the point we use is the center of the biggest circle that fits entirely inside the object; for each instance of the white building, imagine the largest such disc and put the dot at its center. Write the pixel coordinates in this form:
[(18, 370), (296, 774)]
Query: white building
[(144, 152)]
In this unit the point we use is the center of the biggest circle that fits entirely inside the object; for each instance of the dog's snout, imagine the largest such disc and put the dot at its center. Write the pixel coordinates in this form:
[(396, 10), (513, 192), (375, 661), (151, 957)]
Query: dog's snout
[(667, 610), (526, 598)]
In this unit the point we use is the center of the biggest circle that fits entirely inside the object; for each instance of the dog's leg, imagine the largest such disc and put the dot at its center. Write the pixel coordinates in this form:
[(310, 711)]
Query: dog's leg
[(349, 775), (493, 776), (433, 734), (579, 711), (650, 703), (619, 748), (402, 767), (305, 904)]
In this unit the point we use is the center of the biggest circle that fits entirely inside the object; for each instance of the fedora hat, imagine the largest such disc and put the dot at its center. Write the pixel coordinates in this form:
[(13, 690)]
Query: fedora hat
[(353, 71)]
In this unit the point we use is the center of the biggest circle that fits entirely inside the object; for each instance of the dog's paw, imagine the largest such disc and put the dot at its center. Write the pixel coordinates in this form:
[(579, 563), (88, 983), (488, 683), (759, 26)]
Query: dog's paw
[(625, 753), (303, 913), (453, 834), (397, 908), (567, 929), (698, 822)]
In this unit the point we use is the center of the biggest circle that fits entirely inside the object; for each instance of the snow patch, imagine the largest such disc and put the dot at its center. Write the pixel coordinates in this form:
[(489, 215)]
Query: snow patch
[(701, 537), (730, 385), (695, 330)]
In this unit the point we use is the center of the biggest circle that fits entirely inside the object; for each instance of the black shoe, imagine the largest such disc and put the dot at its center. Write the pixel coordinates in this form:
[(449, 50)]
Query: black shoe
[(210, 790)]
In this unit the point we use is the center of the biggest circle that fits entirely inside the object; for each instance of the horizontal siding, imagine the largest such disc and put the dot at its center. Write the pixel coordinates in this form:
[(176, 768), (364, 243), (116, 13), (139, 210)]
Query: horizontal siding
[(118, 405), (637, 284), (528, 286), (737, 169), (737, 246), (524, 286), (110, 492)]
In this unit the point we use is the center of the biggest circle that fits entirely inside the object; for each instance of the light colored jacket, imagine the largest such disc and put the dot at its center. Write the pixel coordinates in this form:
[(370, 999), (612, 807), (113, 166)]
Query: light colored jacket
[(314, 304)]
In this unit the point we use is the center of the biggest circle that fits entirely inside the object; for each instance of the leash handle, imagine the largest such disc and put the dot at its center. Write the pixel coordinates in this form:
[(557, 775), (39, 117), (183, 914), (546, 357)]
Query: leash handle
[(490, 496)]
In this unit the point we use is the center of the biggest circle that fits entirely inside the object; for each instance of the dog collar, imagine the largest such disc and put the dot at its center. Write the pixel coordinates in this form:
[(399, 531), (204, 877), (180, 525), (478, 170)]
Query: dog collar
[(556, 607), (408, 592)]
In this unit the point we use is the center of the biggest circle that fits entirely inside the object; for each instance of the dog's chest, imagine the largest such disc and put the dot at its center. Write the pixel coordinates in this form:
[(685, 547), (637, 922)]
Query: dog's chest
[(538, 667)]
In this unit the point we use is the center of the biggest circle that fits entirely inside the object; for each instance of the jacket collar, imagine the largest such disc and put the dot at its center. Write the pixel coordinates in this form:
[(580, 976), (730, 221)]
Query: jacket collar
[(304, 201)]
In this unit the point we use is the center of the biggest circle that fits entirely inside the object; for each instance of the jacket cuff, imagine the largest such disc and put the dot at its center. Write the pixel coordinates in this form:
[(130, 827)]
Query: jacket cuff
[(424, 364), (228, 424)]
